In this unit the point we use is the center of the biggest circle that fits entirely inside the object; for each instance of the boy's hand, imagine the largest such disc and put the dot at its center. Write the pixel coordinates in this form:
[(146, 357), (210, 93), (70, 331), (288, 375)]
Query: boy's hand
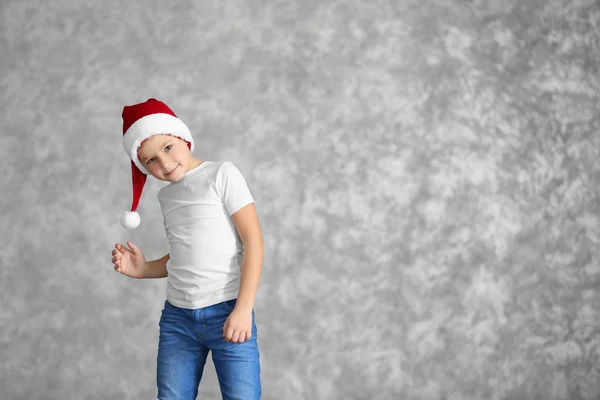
[(238, 327), (129, 262)]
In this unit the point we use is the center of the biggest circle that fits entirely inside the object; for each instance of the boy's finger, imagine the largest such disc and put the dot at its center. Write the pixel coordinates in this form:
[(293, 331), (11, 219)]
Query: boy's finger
[(122, 248), (228, 332), (133, 247)]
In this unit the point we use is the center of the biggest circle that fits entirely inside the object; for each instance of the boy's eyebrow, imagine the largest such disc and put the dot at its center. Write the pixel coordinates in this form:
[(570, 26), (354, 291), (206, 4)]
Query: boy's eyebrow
[(165, 142)]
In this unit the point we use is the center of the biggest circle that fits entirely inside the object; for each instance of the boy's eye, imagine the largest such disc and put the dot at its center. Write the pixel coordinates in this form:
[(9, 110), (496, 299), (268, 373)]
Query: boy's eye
[(148, 162)]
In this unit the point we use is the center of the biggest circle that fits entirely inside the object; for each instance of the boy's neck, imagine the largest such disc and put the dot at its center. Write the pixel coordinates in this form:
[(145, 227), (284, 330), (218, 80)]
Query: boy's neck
[(193, 163)]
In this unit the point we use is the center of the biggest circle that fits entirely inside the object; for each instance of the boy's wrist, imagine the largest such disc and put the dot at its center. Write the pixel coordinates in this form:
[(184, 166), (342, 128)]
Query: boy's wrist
[(155, 269), (145, 268), (243, 307)]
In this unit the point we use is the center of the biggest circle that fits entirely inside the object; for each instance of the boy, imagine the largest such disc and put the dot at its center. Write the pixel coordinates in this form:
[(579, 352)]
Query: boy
[(215, 259)]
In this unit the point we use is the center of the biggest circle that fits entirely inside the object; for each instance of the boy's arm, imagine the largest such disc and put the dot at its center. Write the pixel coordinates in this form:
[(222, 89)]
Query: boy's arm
[(156, 268), (248, 227)]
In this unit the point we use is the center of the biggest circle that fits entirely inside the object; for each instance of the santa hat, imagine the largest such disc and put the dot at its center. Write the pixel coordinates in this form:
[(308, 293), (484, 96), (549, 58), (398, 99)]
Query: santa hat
[(140, 121)]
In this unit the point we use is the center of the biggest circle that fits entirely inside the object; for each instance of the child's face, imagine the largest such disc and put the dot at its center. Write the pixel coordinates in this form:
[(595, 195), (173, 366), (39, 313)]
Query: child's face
[(165, 157)]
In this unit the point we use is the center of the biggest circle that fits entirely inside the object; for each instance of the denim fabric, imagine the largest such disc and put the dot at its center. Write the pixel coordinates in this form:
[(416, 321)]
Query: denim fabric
[(187, 336)]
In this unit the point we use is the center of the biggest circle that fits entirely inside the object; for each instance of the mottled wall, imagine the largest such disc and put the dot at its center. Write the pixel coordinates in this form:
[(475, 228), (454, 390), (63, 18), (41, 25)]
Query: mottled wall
[(425, 175)]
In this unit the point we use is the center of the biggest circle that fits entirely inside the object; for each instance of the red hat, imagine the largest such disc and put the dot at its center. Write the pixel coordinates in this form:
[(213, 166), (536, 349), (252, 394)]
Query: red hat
[(140, 121)]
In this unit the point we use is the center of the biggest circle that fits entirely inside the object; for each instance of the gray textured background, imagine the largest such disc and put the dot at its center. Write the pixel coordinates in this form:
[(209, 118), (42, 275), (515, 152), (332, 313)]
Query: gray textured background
[(425, 174)]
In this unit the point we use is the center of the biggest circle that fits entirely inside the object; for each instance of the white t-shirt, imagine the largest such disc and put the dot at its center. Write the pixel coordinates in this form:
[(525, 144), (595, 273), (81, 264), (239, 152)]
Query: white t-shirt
[(206, 254)]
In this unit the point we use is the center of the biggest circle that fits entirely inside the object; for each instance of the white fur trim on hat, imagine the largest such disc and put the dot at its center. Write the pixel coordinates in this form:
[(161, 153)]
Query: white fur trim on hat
[(153, 124)]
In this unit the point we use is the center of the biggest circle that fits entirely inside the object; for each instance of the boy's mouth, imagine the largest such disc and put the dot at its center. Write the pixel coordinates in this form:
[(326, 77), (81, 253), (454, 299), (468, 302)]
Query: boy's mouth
[(169, 173)]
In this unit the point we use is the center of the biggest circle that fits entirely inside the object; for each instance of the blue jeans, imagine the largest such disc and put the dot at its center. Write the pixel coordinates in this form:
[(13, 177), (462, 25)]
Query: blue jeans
[(186, 337)]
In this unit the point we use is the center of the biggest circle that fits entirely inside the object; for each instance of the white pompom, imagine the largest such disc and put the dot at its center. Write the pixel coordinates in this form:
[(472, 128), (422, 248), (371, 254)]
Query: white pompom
[(130, 220)]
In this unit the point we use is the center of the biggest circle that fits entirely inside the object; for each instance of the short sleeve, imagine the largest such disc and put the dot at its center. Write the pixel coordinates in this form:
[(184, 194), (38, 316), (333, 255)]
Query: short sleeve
[(232, 188)]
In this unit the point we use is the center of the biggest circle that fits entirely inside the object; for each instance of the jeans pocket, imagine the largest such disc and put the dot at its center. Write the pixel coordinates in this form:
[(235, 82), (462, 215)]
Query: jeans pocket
[(230, 304), (169, 311)]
